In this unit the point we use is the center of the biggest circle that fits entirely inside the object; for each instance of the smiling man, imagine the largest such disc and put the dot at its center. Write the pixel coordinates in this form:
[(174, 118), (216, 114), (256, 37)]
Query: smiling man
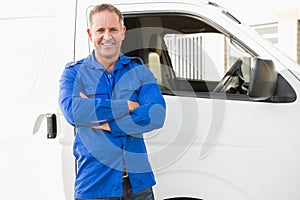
[(107, 32), (111, 100)]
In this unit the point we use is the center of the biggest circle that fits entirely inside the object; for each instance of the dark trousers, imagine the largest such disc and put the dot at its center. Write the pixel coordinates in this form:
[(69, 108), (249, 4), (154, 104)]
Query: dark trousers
[(128, 194)]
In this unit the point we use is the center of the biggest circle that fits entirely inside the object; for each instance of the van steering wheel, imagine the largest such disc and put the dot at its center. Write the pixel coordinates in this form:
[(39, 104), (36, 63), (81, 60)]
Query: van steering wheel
[(232, 81)]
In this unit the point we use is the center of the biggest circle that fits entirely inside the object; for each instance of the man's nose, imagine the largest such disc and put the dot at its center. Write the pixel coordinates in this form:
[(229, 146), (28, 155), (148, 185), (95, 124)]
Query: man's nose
[(106, 35)]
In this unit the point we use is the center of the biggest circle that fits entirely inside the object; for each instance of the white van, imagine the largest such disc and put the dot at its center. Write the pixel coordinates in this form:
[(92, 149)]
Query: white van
[(232, 126)]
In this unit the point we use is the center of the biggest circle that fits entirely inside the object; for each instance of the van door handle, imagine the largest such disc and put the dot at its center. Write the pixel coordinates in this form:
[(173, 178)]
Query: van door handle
[(51, 125)]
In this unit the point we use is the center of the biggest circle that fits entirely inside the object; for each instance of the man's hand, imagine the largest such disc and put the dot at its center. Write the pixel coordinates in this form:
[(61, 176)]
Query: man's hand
[(104, 127), (132, 105)]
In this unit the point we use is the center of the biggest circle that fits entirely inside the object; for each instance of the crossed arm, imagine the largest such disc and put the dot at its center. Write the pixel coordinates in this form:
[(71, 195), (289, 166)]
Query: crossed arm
[(131, 106), (120, 117)]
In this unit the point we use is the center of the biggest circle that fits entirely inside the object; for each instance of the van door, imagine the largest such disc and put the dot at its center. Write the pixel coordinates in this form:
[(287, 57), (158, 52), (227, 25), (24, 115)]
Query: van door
[(216, 141)]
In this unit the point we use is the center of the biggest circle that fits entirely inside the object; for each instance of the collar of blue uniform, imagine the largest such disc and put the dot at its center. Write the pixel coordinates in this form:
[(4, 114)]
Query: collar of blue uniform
[(96, 65)]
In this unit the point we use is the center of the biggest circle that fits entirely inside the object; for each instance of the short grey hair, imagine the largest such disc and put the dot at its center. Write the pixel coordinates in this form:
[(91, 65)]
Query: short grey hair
[(103, 7)]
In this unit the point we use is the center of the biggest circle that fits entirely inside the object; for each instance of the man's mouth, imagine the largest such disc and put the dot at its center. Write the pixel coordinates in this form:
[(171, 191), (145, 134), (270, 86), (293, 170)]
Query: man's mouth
[(107, 44)]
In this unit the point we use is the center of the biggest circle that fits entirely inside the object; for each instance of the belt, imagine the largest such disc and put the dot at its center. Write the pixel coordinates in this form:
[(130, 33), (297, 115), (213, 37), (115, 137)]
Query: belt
[(125, 173)]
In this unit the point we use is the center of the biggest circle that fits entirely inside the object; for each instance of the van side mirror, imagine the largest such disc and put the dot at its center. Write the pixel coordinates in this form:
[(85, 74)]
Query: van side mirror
[(263, 79)]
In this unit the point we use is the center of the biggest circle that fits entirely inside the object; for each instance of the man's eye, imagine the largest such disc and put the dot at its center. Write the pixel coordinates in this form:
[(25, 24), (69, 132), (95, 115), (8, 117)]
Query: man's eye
[(100, 30), (114, 30)]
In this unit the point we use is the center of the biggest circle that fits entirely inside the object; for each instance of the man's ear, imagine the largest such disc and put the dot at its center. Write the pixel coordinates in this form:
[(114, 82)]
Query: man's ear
[(123, 32), (89, 32), (124, 29)]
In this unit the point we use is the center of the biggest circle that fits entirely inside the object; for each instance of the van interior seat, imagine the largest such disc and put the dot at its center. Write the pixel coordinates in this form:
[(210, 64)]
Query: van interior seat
[(150, 50), (155, 66)]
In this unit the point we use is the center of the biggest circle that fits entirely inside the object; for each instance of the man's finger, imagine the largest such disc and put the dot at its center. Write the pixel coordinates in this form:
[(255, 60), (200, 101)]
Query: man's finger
[(82, 95)]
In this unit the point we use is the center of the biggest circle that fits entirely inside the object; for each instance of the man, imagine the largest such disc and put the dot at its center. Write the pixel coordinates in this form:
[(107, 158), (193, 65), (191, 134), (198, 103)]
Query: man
[(111, 100)]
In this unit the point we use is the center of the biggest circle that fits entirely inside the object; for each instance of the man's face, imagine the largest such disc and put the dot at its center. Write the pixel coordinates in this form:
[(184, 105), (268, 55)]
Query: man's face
[(107, 34)]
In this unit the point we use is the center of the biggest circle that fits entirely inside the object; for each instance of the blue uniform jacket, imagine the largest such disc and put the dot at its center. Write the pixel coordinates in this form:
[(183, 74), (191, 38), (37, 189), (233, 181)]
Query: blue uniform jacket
[(101, 155)]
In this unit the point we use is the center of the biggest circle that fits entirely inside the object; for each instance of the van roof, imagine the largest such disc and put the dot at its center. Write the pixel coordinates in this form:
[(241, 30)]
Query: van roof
[(164, 1), (191, 2)]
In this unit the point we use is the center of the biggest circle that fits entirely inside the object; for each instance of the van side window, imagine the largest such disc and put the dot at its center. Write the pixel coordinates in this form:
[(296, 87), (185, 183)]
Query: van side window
[(190, 57), (187, 56)]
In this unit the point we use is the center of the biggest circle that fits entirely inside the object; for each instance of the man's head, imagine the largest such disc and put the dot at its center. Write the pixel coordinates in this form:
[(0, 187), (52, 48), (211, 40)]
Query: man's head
[(106, 31)]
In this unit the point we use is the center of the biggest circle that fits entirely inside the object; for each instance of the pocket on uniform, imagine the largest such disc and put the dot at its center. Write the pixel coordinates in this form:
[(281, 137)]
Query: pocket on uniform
[(128, 90), (94, 91)]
